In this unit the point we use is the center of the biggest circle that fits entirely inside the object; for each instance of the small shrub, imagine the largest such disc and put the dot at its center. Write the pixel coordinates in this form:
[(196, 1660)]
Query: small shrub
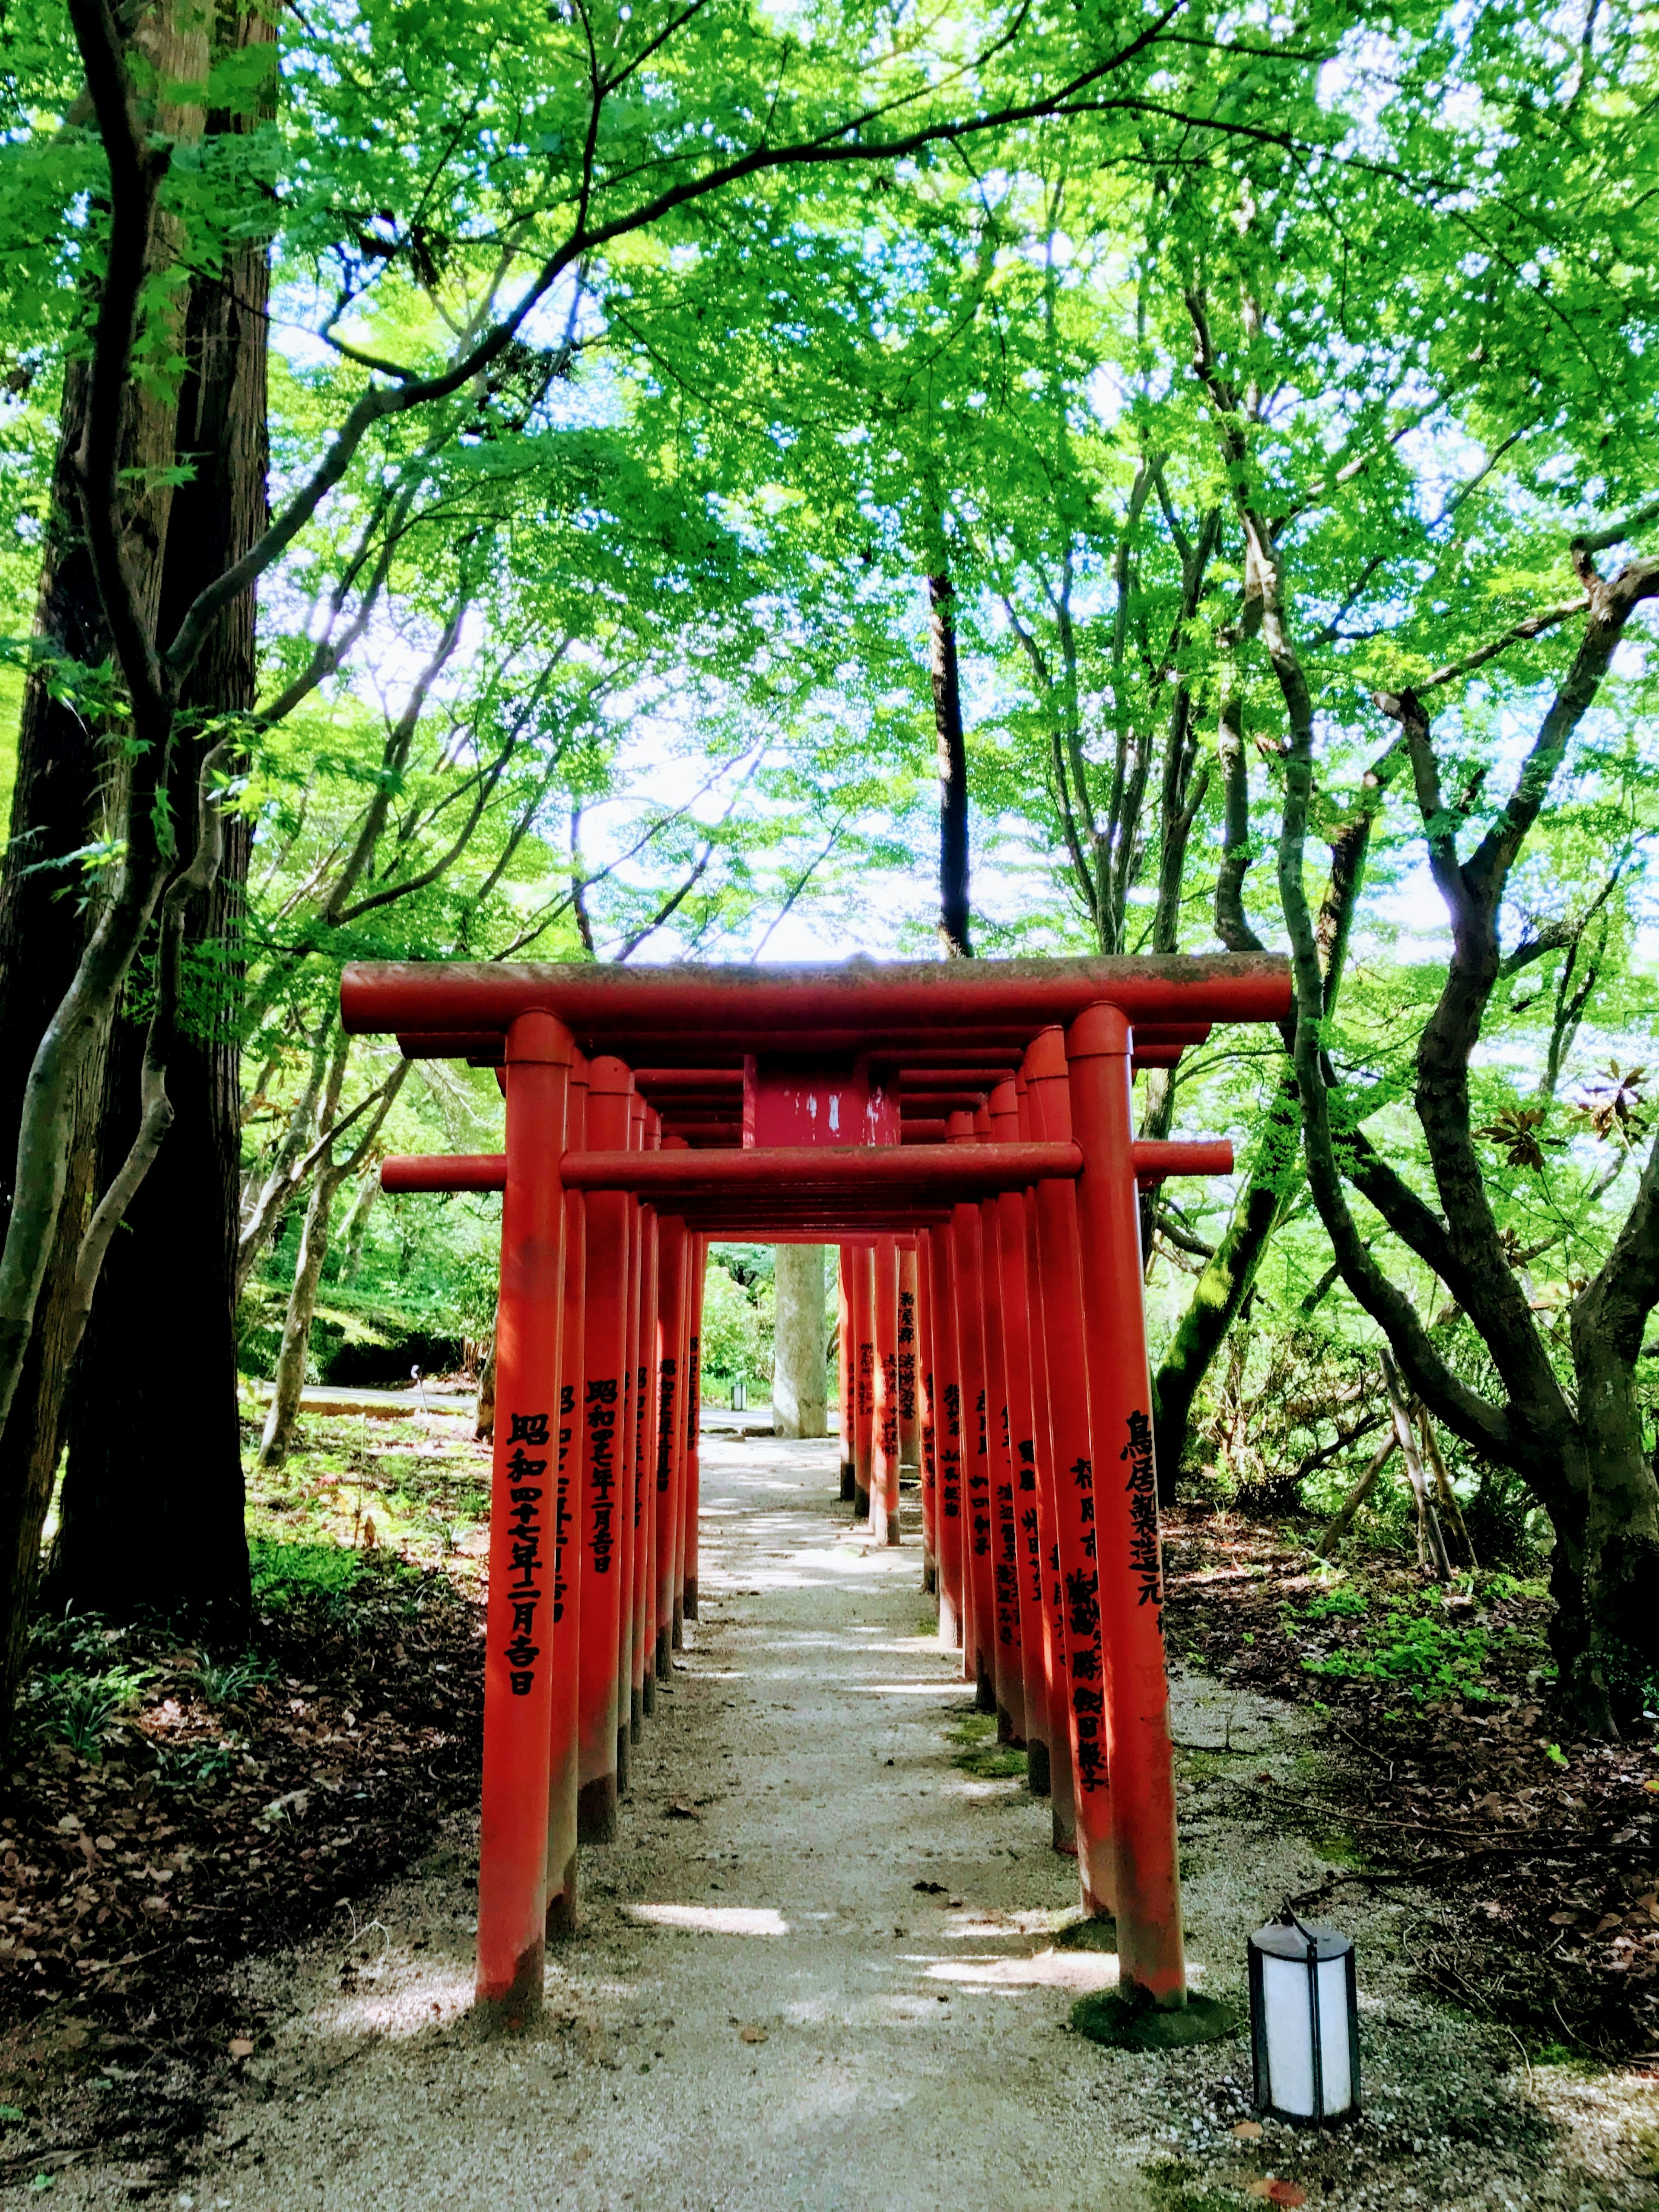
[(284, 1572), (1421, 1653), (78, 1708), (224, 1681)]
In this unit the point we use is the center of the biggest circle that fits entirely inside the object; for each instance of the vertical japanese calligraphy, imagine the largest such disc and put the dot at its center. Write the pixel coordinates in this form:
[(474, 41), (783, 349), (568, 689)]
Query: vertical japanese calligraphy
[(979, 1489), (1144, 1560), (667, 1377), (950, 1455), (889, 1407), (524, 1591), (602, 1395), (907, 1355), (1081, 1613), (562, 1515)]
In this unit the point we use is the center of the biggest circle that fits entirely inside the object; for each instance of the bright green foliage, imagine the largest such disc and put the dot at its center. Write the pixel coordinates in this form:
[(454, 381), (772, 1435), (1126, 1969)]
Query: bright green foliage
[(631, 625)]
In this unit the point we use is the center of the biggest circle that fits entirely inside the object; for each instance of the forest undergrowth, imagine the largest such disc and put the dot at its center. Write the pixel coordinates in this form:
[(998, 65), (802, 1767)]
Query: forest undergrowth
[(172, 1809), (1446, 1771)]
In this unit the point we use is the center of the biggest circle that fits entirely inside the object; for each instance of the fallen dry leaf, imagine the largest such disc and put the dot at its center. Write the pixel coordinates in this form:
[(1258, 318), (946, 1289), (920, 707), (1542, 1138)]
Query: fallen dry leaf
[(750, 2033), (1278, 2192), (1248, 2130), (241, 2046)]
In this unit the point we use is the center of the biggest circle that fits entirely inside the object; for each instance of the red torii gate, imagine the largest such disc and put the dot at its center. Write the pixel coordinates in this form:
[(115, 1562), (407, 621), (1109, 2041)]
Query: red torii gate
[(650, 1109)]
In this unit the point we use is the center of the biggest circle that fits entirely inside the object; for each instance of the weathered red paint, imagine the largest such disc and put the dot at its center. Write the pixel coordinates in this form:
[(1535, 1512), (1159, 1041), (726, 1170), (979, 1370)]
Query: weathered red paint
[(884, 1411), (909, 1343), (670, 1312), (998, 1322), (1007, 1659), (1148, 1880), (978, 1588), (699, 1267), (846, 1369), (520, 1649), (927, 1447), (1020, 1524), (947, 1434), (1075, 1567), (864, 1377), (563, 1764), (861, 1176), (818, 1005), (602, 1428)]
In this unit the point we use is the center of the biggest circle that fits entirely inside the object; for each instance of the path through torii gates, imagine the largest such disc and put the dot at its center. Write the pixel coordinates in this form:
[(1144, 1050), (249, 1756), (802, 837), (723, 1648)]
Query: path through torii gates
[(961, 1129)]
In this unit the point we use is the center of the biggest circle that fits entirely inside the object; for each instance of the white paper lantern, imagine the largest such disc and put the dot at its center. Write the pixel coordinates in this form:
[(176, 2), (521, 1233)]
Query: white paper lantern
[(1304, 2022)]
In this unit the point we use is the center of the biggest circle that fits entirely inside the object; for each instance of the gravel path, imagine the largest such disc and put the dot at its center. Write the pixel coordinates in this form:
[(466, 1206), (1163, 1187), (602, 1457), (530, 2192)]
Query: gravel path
[(764, 2008)]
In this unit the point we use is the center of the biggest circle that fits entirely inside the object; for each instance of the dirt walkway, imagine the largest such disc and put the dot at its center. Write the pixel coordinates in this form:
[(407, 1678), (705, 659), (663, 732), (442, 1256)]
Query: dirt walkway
[(766, 2009)]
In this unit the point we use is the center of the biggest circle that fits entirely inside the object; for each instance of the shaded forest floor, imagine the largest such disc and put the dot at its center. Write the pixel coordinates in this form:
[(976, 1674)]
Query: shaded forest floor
[(1446, 1771), (173, 1812), (172, 1809)]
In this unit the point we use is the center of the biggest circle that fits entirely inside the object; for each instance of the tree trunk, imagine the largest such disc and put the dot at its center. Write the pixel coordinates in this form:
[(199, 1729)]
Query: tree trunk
[(290, 1376), (69, 792), (153, 1495), (952, 755), (354, 1233), (1224, 1284), (798, 1366)]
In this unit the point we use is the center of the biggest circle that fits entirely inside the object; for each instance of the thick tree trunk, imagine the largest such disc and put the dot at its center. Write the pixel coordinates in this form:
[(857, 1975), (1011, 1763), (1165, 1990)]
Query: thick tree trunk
[(153, 1496), (56, 811), (798, 1366), (951, 751), (69, 792)]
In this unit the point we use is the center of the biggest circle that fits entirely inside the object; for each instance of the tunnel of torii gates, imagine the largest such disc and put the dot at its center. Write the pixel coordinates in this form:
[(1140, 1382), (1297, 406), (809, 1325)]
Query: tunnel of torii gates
[(962, 1131)]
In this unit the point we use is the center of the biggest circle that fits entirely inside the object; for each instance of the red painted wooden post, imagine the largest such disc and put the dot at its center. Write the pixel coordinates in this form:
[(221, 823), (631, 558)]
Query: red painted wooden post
[(682, 1445), (1005, 1556), (925, 1441), (1077, 1571), (1151, 1953), (671, 1306), (563, 1764), (846, 1368), (1022, 1522), (520, 1647), (909, 1360), (603, 1425), (699, 1267), (947, 1436), (630, 1690), (884, 1421), (863, 1375), (650, 1322), (978, 1587), (1044, 1559)]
